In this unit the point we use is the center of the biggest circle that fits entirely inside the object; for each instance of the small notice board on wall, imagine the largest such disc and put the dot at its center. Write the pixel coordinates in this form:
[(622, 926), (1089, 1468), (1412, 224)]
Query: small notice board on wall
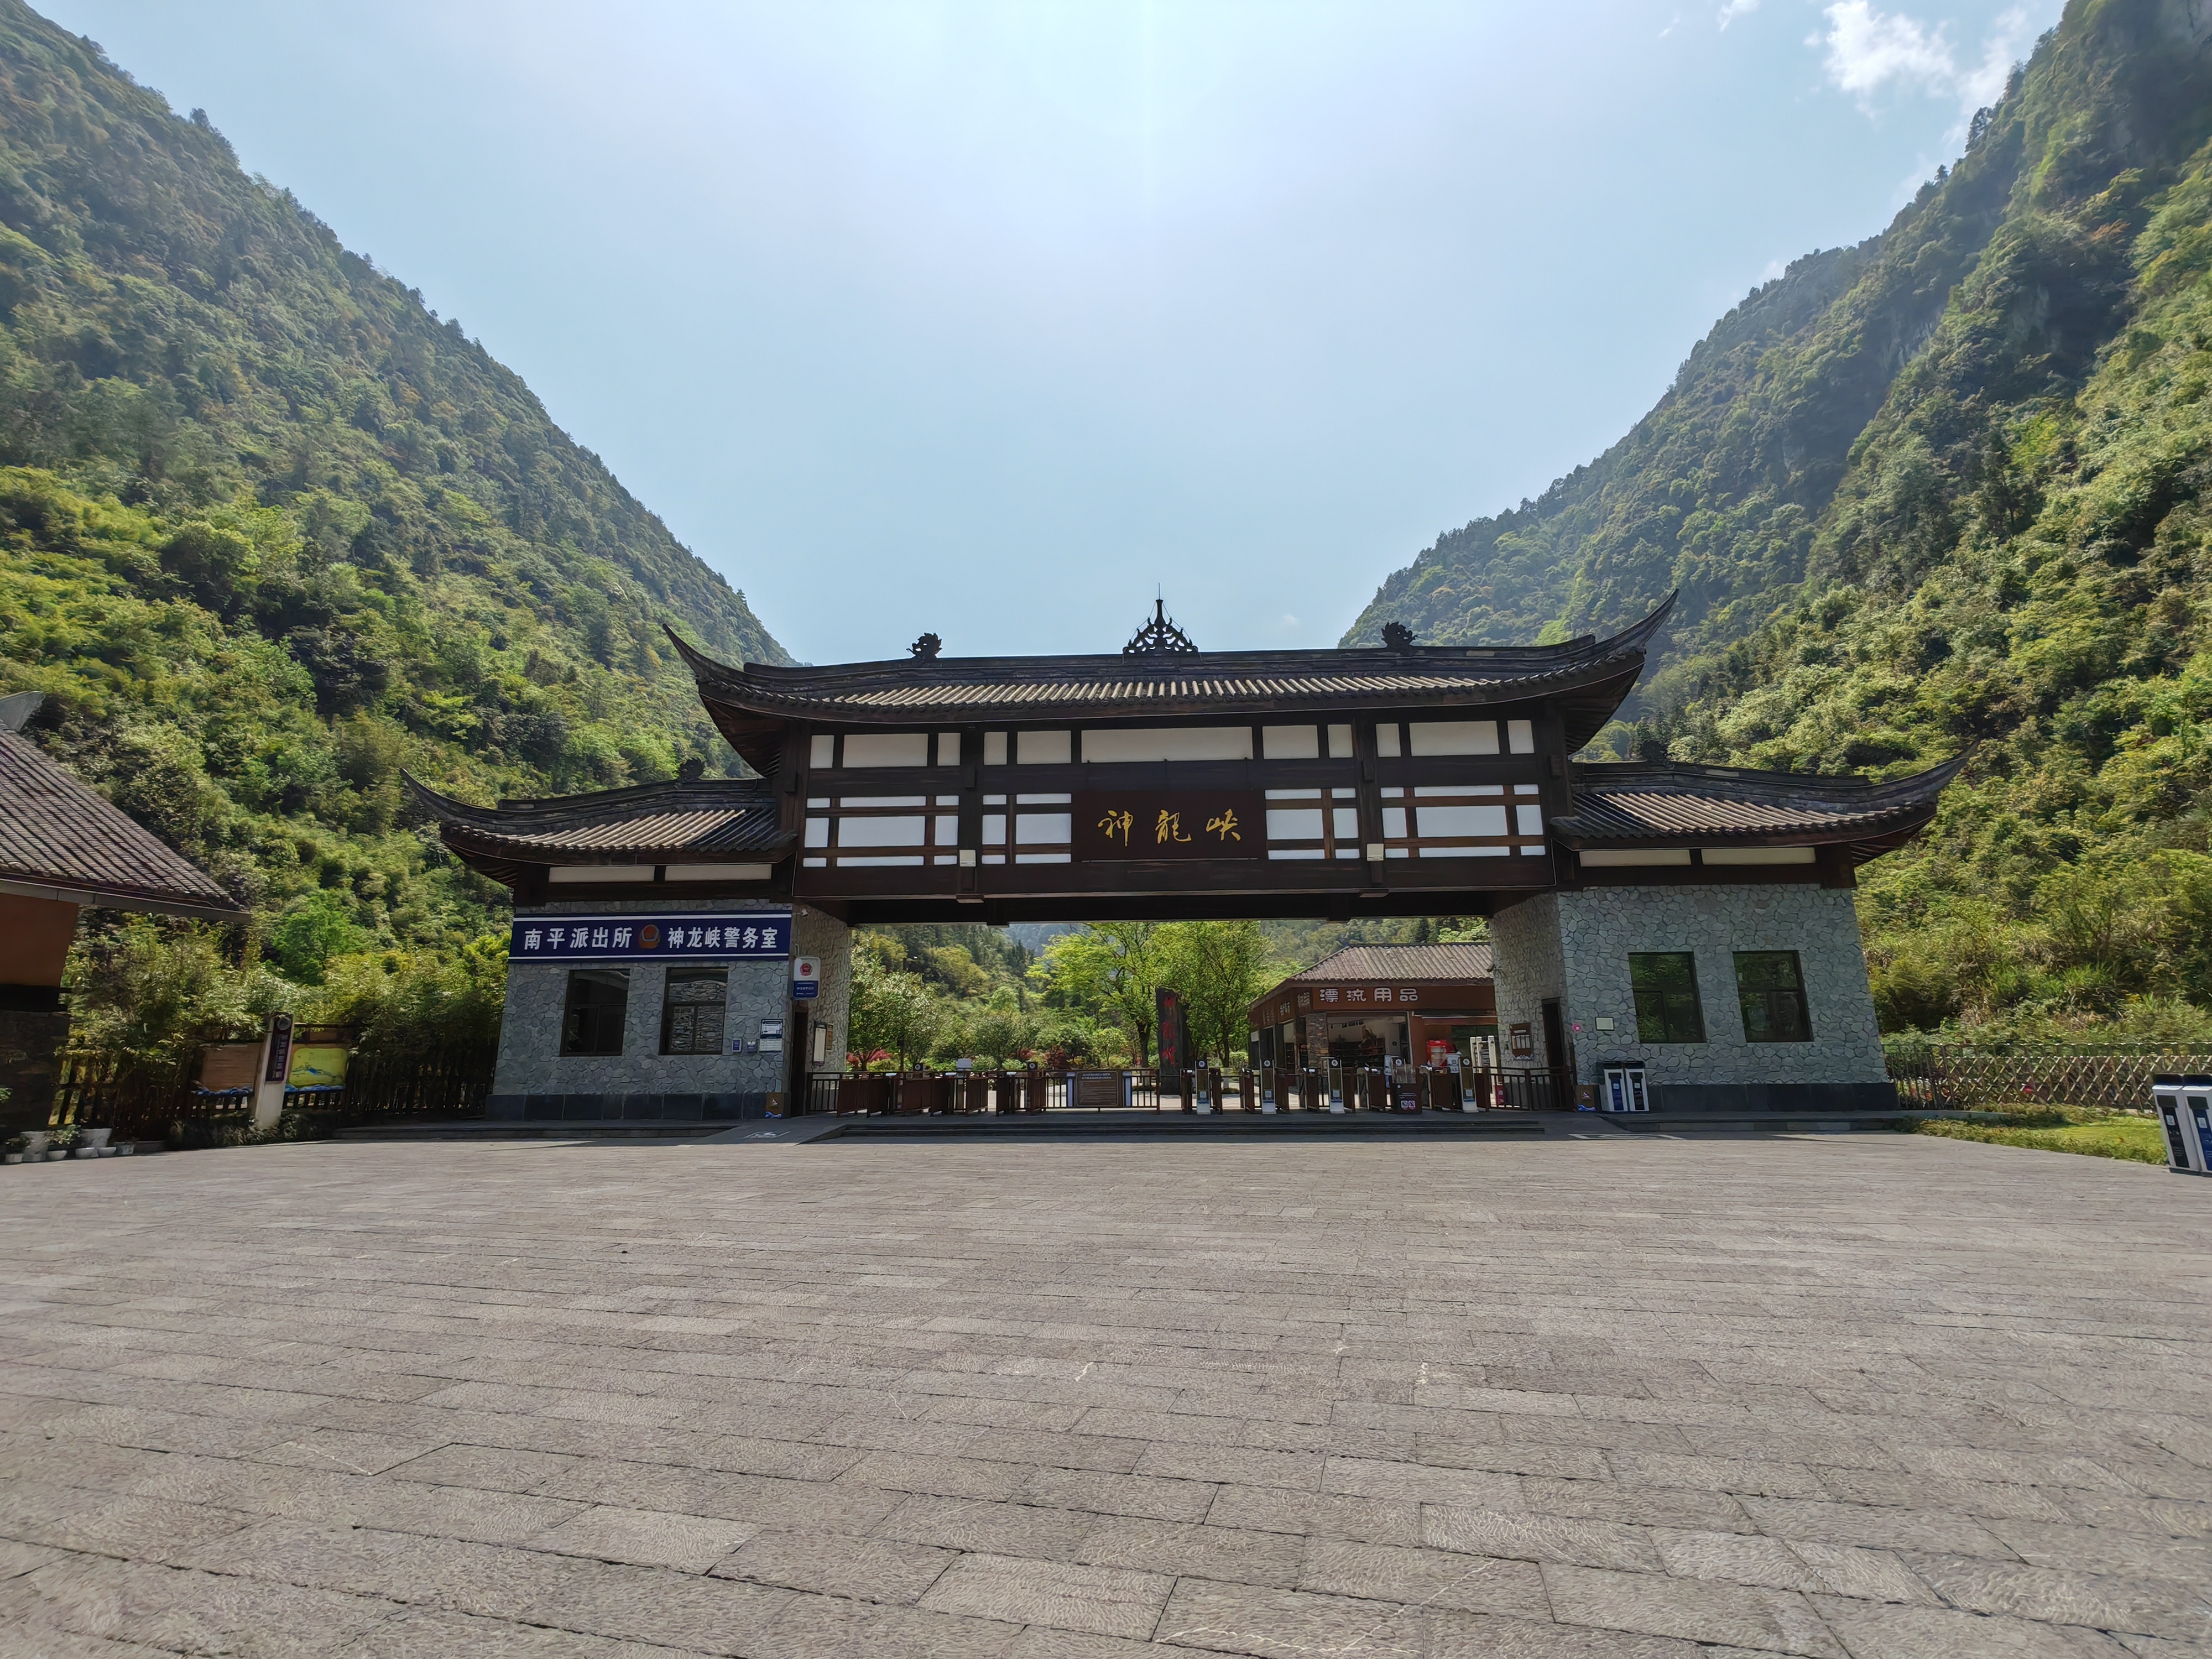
[(751, 935)]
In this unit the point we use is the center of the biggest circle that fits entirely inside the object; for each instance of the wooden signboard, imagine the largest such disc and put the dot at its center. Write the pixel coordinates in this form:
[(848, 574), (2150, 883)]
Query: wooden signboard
[(1523, 1042), (228, 1066), (1124, 825)]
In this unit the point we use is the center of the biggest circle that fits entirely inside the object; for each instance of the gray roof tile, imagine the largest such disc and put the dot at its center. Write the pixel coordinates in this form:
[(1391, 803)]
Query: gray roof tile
[(58, 833)]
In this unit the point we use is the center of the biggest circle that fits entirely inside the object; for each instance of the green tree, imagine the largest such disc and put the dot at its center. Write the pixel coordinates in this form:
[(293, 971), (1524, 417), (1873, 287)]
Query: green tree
[(312, 932), (892, 1010), (1114, 968), (1220, 968)]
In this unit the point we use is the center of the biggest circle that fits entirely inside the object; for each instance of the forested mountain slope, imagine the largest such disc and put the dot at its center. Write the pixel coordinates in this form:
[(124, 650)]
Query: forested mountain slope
[(270, 530), (1952, 486)]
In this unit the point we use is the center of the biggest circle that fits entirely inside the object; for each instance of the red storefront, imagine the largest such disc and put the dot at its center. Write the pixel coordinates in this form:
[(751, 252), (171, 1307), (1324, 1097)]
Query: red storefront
[(1367, 1003)]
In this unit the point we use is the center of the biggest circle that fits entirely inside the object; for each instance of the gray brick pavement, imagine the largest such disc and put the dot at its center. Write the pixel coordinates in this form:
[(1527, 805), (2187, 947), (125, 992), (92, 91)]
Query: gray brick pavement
[(1859, 1397)]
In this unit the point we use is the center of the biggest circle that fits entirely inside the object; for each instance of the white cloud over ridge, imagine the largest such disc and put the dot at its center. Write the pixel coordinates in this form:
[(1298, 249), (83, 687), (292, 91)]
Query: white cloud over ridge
[(1868, 51)]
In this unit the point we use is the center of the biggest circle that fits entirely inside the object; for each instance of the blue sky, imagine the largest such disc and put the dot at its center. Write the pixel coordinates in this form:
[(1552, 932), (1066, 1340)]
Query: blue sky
[(986, 318)]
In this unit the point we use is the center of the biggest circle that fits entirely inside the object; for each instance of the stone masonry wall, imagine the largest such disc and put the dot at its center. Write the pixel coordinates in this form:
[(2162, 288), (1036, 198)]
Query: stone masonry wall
[(815, 934), (530, 1057), (1524, 941), (1599, 927)]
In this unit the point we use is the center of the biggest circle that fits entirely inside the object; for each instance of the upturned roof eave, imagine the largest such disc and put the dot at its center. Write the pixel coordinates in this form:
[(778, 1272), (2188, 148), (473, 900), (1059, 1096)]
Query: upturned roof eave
[(1578, 837), (466, 842), (764, 692), (511, 831)]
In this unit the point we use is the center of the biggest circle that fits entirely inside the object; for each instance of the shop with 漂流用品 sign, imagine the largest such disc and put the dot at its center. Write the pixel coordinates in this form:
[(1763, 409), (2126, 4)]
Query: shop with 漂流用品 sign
[(1382, 1004)]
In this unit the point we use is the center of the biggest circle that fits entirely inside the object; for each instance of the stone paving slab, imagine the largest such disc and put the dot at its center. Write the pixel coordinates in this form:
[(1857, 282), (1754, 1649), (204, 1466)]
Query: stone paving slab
[(1618, 1397)]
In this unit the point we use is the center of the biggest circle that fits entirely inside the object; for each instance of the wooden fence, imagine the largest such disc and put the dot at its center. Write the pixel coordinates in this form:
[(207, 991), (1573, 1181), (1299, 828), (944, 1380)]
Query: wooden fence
[(2115, 1078), (384, 1086)]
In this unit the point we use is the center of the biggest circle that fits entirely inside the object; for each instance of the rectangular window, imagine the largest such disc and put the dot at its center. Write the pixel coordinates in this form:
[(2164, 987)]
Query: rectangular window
[(1666, 987), (691, 1012), (1772, 991), (598, 1002)]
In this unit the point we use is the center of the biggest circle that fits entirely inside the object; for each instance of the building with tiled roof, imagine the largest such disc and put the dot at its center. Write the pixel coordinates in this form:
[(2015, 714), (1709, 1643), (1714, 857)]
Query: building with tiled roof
[(1407, 1003), (1700, 916), (64, 846)]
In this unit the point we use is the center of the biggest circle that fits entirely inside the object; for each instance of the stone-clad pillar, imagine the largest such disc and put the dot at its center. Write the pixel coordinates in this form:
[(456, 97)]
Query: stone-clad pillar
[(1525, 946), (815, 934)]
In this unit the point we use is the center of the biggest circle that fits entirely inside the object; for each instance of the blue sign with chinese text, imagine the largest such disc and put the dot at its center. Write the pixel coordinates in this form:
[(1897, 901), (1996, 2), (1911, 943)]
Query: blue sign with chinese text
[(755, 935)]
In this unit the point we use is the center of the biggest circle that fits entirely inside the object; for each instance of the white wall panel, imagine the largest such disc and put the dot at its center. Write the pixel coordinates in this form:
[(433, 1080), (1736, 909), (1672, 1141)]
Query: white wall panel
[(882, 832), (1168, 743), (1454, 736), (887, 749), (1461, 821)]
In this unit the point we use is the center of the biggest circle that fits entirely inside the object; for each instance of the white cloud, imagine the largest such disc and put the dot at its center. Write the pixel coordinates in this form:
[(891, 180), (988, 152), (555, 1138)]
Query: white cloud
[(1671, 23), (2010, 42), (1869, 50), (1732, 10)]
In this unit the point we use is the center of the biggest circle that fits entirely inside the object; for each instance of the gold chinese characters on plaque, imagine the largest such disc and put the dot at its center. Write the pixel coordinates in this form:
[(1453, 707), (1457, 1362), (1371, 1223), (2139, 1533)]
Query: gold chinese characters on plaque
[(1125, 826)]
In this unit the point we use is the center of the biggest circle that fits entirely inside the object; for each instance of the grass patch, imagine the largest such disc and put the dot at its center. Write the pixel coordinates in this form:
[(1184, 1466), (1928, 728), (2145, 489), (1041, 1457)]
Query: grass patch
[(2062, 1129)]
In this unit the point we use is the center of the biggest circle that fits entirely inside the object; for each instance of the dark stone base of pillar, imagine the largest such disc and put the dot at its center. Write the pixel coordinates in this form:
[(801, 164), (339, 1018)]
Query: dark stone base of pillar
[(624, 1108), (1780, 1099)]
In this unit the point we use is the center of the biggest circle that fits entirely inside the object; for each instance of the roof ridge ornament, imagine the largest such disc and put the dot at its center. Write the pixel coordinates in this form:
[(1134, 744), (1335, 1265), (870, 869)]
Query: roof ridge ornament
[(926, 649), (1159, 637)]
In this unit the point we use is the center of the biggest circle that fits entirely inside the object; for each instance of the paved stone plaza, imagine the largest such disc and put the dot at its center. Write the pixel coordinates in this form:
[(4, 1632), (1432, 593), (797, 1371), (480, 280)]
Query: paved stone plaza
[(1868, 1395)]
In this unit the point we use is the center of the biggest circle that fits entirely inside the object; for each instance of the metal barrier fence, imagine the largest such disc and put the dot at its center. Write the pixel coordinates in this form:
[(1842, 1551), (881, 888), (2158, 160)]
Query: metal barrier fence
[(948, 1094), (2114, 1076)]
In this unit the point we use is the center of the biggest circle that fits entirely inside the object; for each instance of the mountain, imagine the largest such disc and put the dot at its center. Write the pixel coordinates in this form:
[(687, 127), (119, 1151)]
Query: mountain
[(1950, 486), (270, 529)]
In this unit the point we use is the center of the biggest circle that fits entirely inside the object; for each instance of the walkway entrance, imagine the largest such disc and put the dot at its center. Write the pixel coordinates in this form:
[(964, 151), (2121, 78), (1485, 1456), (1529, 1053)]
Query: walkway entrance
[(1166, 783)]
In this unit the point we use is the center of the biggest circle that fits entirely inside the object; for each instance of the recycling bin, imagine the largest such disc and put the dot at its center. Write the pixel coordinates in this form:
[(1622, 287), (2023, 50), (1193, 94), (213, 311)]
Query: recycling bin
[(1623, 1090), (2184, 1113)]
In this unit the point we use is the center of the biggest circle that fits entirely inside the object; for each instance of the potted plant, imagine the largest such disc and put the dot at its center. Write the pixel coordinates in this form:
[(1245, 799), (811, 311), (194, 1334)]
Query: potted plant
[(13, 1153), (59, 1143)]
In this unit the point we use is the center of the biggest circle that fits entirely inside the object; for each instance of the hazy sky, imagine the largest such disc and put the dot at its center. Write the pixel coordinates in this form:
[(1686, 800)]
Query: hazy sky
[(986, 318)]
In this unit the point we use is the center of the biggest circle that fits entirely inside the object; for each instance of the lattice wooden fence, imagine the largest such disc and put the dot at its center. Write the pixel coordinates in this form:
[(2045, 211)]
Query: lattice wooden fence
[(1978, 1079)]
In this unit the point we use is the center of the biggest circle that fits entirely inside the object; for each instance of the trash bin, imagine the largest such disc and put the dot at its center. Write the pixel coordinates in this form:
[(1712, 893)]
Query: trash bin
[(2184, 1112), (1624, 1090)]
